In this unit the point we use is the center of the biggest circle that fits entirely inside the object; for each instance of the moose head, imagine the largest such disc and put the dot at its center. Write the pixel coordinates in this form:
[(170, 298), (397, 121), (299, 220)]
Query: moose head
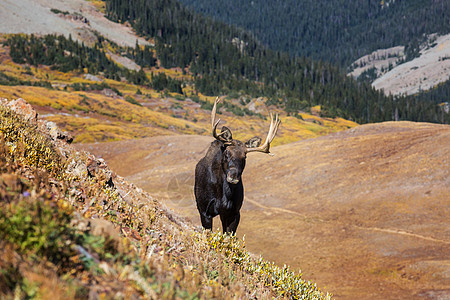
[(235, 151)]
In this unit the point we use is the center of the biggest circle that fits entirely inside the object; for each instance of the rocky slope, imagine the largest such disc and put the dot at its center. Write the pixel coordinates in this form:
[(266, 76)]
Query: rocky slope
[(79, 18), (420, 74)]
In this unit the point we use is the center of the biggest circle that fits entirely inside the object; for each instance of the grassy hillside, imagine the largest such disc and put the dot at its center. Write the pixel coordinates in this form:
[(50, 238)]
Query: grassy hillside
[(95, 108), (70, 228)]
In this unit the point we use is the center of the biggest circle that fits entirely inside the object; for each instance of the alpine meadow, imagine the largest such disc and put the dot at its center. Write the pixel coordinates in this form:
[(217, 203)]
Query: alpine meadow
[(196, 149)]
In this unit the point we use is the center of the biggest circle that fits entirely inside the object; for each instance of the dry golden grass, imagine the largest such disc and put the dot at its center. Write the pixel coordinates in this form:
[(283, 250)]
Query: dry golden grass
[(175, 73), (90, 130), (96, 117), (100, 5)]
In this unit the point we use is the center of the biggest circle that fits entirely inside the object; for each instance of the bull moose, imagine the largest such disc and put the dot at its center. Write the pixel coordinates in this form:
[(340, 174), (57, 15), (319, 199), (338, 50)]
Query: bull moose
[(218, 185)]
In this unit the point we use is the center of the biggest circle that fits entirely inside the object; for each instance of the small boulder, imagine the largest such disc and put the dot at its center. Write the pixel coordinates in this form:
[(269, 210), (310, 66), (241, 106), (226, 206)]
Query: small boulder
[(97, 168), (58, 134), (92, 77), (24, 109)]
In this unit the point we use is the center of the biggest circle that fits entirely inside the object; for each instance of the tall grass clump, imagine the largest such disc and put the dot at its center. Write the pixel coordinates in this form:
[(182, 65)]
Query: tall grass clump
[(281, 280)]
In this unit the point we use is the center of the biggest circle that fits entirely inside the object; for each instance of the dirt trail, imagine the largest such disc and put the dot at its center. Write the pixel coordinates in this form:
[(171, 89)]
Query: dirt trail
[(396, 231), (277, 209), (306, 218), (364, 212)]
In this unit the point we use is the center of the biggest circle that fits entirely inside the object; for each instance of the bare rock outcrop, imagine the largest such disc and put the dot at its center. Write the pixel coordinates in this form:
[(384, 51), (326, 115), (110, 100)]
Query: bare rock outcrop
[(21, 107), (58, 134)]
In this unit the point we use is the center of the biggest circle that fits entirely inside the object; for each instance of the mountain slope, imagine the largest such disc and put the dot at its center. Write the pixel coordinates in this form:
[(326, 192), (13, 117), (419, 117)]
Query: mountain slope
[(100, 106), (336, 31), (204, 57), (387, 71), (83, 21), (342, 31), (420, 74), (363, 211), (224, 59)]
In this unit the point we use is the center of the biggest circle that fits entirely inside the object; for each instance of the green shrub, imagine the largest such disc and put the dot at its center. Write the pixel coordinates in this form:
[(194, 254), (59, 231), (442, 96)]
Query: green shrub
[(132, 100), (26, 146), (36, 226)]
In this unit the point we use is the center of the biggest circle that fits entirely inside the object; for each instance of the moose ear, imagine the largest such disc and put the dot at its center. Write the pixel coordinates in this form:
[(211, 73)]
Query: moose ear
[(253, 142), (226, 133)]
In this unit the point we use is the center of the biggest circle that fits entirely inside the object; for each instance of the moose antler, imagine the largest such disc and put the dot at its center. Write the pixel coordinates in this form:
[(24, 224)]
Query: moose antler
[(265, 148), (214, 124)]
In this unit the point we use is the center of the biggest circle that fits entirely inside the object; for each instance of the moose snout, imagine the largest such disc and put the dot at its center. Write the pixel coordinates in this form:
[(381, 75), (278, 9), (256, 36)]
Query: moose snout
[(233, 176)]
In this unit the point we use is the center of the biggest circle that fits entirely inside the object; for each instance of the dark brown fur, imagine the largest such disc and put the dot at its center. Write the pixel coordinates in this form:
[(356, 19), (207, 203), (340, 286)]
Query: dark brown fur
[(218, 184)]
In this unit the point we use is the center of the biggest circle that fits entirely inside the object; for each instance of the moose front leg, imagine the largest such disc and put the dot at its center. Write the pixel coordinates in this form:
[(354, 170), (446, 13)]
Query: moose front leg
[(206, 221), (230, 222)]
